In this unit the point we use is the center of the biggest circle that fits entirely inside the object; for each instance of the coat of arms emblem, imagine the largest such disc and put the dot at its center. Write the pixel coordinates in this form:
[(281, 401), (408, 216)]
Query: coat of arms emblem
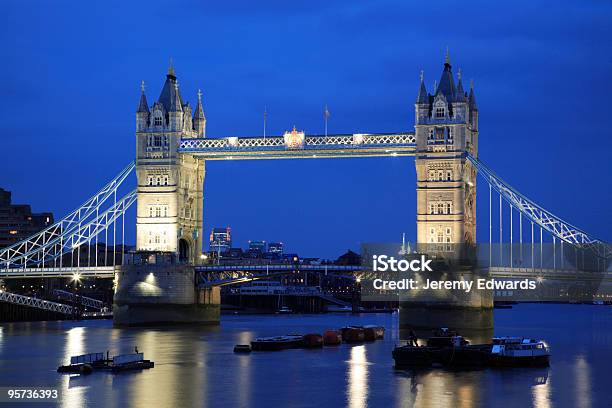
[(294, 139)]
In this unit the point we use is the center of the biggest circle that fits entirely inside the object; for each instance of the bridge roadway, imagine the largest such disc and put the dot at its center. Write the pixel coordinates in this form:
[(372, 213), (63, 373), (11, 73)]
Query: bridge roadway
[(297, 145), (68, 272), (219, 275)]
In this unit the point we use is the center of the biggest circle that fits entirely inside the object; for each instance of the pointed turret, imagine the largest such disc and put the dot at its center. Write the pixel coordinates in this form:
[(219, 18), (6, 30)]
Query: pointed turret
[(143, 106), (472, 97), (142, 113), (422, 97), (170, 96), (460, 91), (199, 119), (447, 84)]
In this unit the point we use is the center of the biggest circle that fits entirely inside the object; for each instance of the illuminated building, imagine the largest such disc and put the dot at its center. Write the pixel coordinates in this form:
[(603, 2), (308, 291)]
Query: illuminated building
[(220, 239), (257, 248), (17, 221), (275, 248)]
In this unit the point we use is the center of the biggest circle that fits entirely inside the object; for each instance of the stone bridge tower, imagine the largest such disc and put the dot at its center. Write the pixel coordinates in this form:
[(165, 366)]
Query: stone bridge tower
[(170, 185), (446, 128)]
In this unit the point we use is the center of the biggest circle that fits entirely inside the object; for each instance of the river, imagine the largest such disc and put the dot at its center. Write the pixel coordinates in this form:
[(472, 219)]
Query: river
[(197, 367)]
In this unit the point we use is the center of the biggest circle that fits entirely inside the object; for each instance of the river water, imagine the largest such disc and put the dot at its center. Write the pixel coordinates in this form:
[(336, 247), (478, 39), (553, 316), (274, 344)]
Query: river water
[(197, 367)]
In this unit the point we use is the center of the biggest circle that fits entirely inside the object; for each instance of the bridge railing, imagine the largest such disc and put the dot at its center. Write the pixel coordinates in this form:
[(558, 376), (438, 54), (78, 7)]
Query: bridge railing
[(357, 140)]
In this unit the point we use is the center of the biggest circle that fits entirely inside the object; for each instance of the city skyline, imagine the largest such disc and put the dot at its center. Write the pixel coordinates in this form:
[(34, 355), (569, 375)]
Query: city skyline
[(84, 124)]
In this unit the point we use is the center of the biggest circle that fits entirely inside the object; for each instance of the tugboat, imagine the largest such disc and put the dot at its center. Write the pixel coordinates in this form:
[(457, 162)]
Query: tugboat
[(519, 352)]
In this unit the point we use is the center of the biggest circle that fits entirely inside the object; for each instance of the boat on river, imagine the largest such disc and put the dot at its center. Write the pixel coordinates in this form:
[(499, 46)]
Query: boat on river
[(519, 352), (87, 363), (277, 343), (454, 351)]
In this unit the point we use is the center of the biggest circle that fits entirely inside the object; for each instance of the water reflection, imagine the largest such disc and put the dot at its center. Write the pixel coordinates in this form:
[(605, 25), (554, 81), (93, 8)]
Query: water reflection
[(583, 381), (357, 391), (540, 391), (74, 395), (244, 372)]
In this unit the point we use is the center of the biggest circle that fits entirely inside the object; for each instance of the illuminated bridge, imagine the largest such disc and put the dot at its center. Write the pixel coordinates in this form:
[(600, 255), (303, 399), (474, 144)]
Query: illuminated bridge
[(172, 149)]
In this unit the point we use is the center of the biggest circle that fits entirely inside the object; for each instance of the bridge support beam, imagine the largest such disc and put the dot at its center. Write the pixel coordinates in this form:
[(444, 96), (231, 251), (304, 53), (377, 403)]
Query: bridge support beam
[(163, 295)]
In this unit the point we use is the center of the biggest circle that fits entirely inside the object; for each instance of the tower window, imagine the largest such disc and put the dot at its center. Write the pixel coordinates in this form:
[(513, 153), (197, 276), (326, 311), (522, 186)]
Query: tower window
[(157, 121), (440, 112), (449, 175)]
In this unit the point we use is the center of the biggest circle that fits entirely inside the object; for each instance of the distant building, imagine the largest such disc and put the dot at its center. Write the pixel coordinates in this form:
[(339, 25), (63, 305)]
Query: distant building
[(17, 221), (275, 248), (257, 248), (348, 258), (221, 239)]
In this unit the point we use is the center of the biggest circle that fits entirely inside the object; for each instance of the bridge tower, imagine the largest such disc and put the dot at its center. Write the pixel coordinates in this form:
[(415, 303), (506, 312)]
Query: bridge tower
[(446, 128), (170, 184)]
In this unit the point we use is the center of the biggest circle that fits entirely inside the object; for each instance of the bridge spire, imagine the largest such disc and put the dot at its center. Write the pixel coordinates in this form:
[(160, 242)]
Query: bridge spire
[(171, 72), (460, 92), (422, 96), (143, 106), (199, 119), (472, 96)]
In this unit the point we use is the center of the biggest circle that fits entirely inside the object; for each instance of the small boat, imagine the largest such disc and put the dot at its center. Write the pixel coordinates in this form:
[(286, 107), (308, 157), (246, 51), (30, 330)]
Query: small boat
[(87, 363), (133, 361), (374, 332), (84, 363), (412, 356), (313, 340), (519, 352), (353, 334), (284, 310), (332, 337), (276, 343), (242, 348)]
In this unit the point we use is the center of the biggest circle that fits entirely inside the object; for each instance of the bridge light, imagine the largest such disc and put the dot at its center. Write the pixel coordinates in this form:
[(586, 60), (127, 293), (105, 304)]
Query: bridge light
[(358, 280), (540, 279), (76, 277)]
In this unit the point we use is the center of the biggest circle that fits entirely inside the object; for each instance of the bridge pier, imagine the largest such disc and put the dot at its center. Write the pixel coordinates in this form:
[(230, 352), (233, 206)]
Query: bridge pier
[(163, 295), (454, 308)]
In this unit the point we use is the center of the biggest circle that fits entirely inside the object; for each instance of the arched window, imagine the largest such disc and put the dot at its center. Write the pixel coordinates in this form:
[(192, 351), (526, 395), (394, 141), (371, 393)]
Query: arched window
[(157, 120), (449, 175), (440, 208), (440, 112), (440, 175)]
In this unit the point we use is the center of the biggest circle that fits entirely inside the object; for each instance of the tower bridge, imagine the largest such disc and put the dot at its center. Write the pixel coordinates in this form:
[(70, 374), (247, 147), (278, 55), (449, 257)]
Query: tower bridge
[(172, 149)]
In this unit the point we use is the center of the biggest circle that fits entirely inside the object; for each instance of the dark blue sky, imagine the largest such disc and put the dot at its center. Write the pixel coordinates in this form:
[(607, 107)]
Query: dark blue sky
[(542, 70)]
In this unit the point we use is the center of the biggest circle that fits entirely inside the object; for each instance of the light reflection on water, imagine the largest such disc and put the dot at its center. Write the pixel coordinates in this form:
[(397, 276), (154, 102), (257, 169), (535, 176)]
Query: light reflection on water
[(196, 366), (358, 377)]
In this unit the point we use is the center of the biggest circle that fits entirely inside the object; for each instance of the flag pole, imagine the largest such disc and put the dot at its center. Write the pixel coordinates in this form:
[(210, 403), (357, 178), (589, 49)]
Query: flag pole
[(326, 115), (265, 117)]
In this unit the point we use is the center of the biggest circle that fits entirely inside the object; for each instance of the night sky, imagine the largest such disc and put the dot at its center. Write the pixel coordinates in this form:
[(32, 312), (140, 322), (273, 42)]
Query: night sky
[(71, 75)]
